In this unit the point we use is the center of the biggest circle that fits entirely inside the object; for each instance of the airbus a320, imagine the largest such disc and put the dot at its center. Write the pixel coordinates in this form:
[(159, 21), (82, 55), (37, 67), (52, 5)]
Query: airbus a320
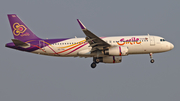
[(101, 49)]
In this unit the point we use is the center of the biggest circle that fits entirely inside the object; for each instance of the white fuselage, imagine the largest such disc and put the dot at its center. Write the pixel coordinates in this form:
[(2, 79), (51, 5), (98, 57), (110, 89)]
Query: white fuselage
[(79, 47)]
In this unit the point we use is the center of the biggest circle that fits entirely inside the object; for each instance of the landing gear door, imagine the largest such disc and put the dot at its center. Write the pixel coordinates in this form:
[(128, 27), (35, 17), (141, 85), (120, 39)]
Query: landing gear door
[(152, 40), (42, 44)]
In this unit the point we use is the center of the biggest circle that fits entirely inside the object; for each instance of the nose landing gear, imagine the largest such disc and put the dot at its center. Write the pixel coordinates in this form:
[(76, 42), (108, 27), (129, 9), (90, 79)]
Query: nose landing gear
[(152, 60)]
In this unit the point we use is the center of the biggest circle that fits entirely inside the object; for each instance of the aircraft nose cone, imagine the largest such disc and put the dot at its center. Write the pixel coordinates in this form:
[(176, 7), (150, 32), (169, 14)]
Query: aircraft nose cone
[(171, 46)]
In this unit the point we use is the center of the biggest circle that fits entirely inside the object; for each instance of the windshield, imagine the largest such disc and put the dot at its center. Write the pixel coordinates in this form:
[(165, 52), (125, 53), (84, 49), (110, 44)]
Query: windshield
[(162, 40)]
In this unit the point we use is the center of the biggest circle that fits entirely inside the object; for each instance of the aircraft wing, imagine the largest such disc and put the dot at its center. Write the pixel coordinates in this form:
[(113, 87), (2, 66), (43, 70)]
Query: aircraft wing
[(95, 42)]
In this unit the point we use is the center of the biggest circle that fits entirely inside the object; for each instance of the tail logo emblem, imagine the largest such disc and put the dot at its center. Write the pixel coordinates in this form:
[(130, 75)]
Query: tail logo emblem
[(18, 29)]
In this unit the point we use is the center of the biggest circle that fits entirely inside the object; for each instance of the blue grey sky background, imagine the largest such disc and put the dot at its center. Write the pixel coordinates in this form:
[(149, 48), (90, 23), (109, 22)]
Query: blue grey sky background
[(30, 77)]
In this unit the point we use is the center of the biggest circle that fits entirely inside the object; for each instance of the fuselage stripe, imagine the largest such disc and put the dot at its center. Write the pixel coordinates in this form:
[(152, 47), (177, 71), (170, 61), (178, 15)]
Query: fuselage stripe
[(38, 47), (69, 49), (72, 44), (76, 49)]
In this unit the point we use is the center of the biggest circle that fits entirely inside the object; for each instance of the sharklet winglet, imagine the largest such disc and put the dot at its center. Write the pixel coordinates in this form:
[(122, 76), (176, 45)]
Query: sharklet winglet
[(81, 24)]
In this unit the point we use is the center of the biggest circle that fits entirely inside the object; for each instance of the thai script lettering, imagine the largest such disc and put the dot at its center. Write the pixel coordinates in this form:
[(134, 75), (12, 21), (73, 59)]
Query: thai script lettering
[(25, 34)]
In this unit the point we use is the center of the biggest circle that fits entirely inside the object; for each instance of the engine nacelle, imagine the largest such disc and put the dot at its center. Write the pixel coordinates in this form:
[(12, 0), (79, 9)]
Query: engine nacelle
[(117, 51), (111, 59)]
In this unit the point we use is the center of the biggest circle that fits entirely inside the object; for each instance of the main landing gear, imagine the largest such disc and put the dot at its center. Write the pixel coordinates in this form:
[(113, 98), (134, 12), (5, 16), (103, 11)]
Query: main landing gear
[(152, 60), (95, 61), (93, 65)]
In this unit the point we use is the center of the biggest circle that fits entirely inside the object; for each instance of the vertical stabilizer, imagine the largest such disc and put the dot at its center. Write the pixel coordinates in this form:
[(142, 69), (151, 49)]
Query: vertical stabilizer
[(19, 29)]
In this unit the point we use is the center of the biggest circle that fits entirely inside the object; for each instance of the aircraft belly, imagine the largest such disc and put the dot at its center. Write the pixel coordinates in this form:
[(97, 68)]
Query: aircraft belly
[(135, 49)]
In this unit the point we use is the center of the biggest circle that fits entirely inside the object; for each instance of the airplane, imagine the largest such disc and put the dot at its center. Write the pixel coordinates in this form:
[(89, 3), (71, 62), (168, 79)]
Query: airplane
[(101, 49)]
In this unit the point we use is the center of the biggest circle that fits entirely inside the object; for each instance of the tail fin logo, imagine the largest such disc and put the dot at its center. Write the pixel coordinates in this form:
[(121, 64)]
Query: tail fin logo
[(18, 29)]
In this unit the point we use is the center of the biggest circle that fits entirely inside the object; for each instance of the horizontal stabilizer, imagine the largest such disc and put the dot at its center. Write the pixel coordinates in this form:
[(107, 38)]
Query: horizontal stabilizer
[(20, 43)]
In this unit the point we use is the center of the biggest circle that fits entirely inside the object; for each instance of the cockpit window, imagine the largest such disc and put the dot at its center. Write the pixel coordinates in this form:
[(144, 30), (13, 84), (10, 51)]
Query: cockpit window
[(162, 40)]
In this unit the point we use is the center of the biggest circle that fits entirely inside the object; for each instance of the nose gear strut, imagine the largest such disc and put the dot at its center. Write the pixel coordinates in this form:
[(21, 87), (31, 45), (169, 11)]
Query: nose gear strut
[(152, 60)]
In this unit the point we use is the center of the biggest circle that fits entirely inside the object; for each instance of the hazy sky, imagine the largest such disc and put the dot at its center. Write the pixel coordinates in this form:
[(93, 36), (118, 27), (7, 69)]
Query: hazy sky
[(30, 77)]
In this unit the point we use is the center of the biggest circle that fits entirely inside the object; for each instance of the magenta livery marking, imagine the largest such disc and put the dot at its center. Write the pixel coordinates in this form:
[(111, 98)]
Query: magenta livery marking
[(119, 51)]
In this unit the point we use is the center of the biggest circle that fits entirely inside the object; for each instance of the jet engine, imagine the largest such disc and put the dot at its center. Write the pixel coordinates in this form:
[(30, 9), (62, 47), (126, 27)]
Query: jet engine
[(111, 59), (117, 51)]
